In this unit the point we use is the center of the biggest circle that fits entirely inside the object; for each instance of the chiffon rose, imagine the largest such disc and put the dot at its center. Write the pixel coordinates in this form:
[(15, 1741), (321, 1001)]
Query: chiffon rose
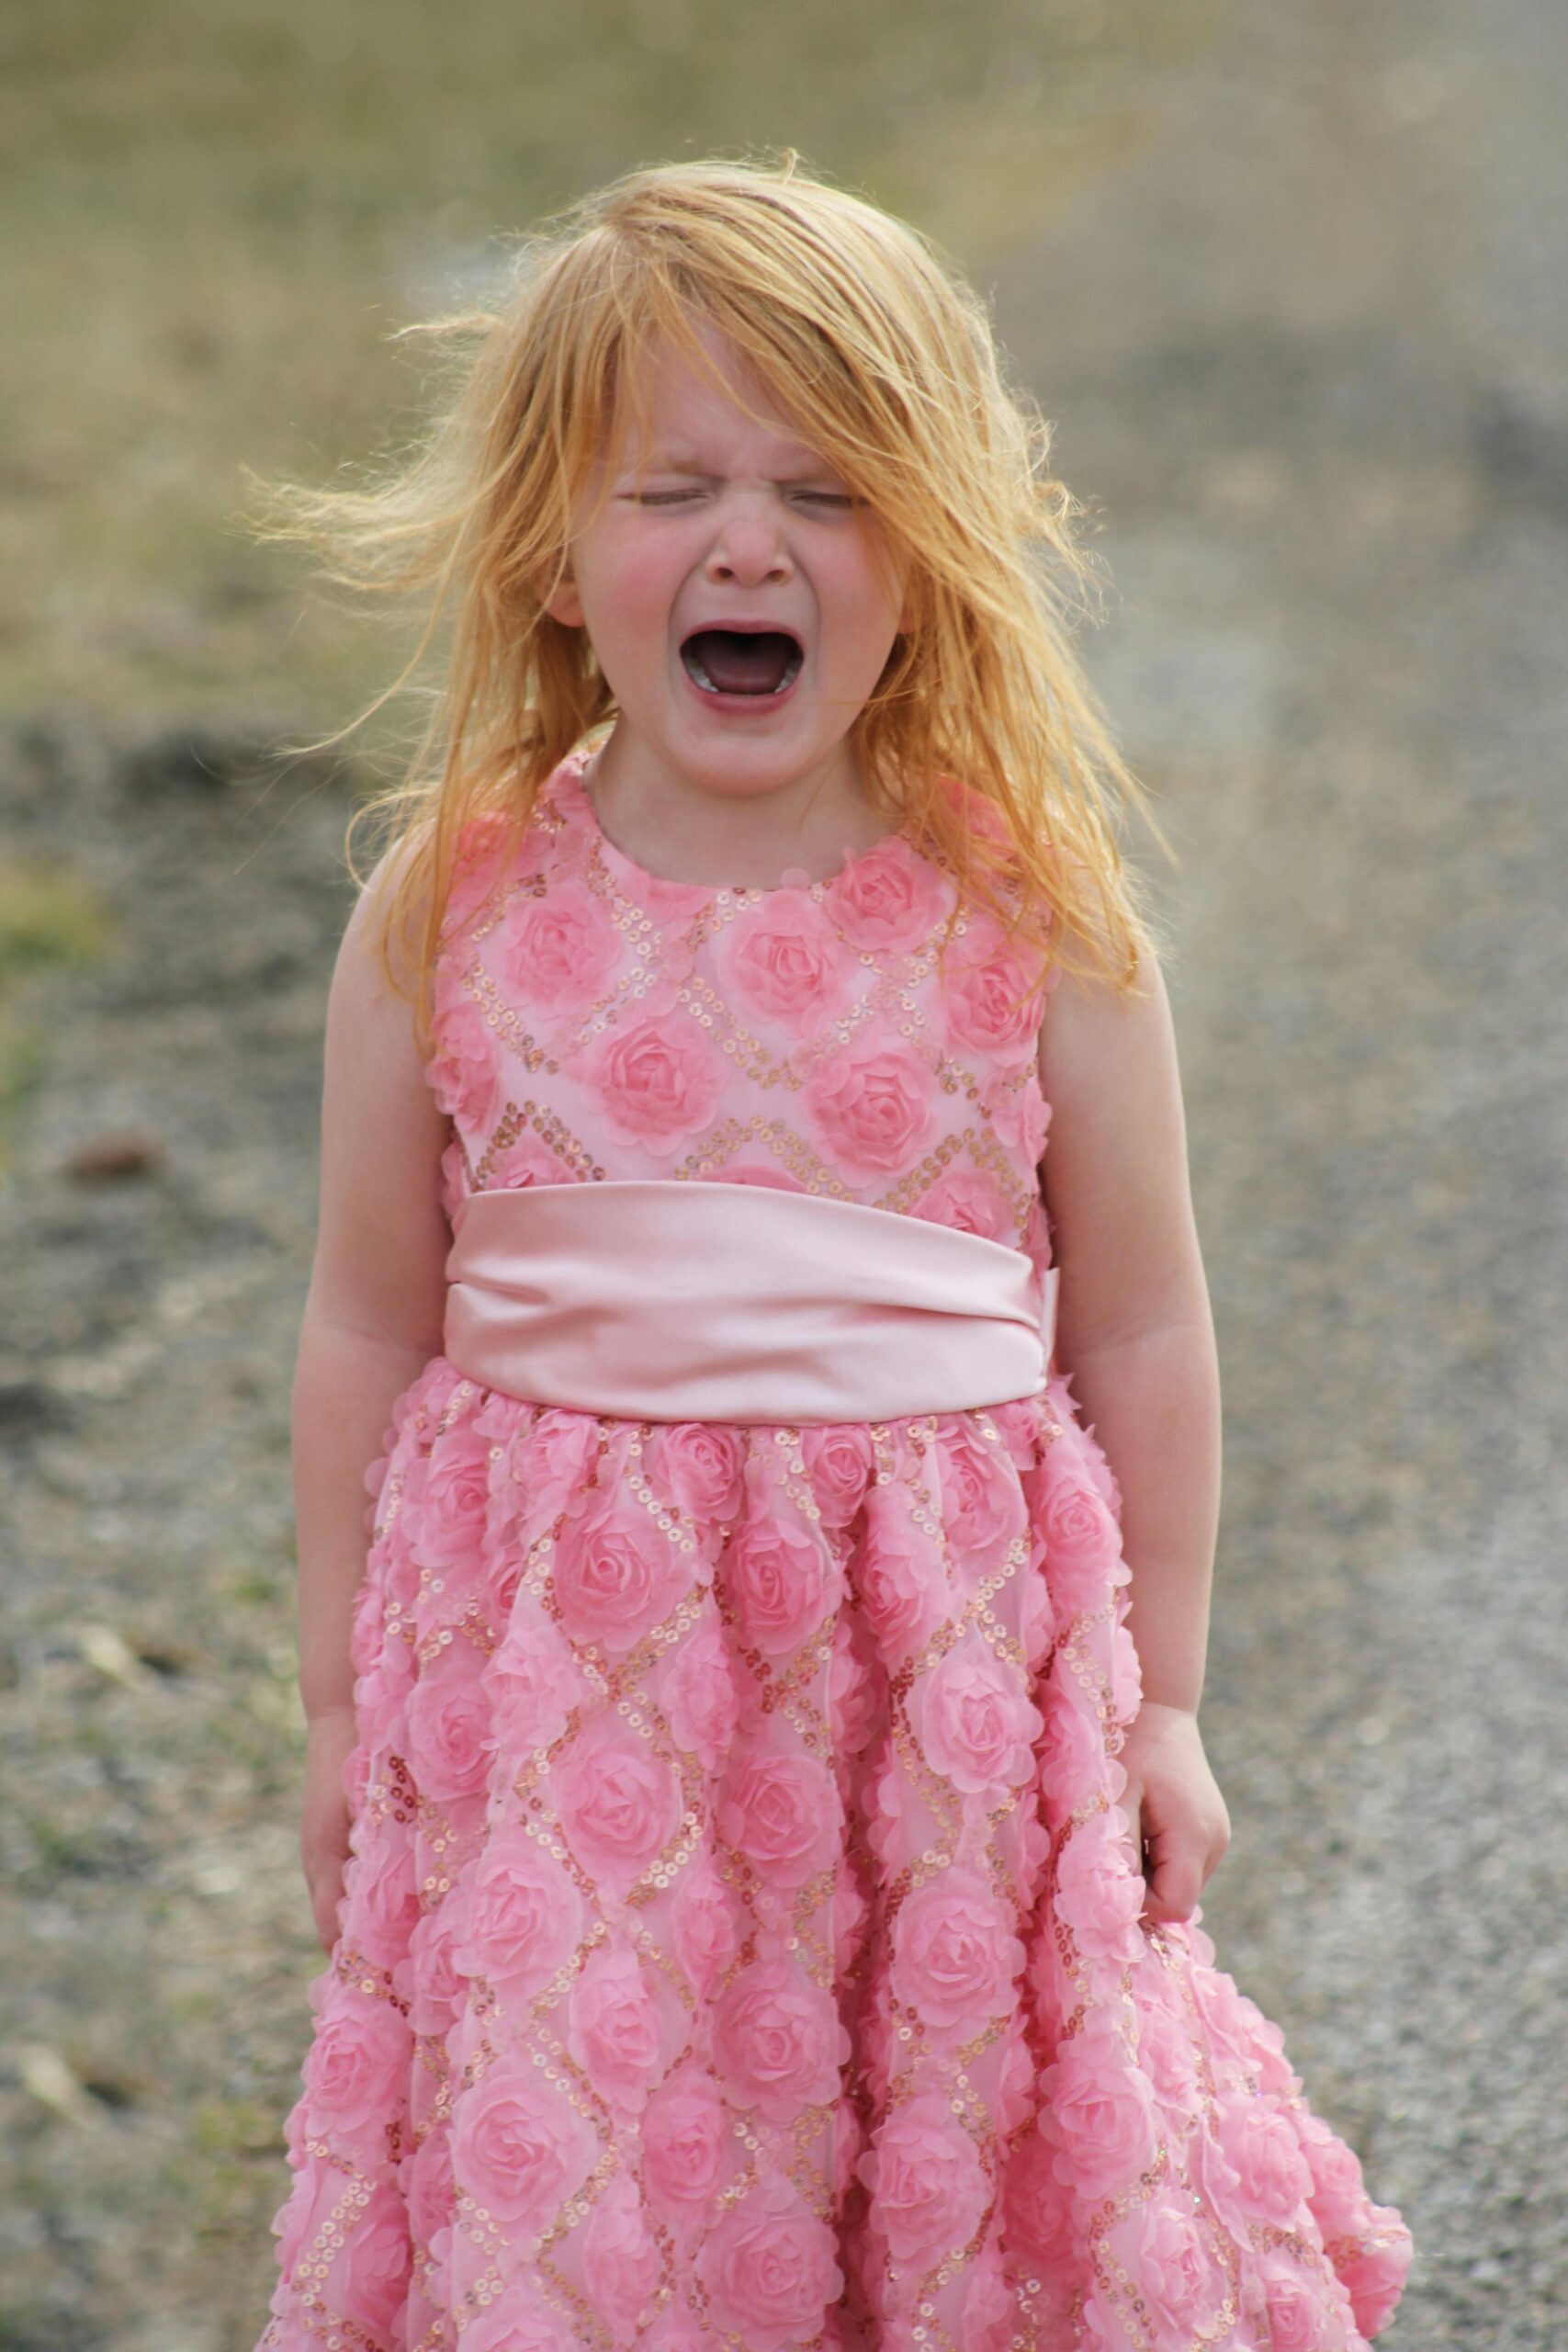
[(779, 2041), (1100, 1895), (784, 1814), (983, 1509), (616, 1576), (559, 953), (619, 1805), (614, 2028), (1160, 2245), (700, 1695), (900, 1577), (1038, 2209), (536, 1686), (383, 1901), (698, 1465), (518, 2146), (783, 1582), (1100, 2112), (357, 2070), (976, 1722), (1296, 2319), (620, 2259), (684, 2128), (887, 898), (993, 1000), (655, 1076), (954, 1954), (523, 1917), (770, 2269), (1082, 1545), (449, 1730), (428, 1977), (518, 2322), (969, 1201), (928, 2187), (450, 1528), (368, 2280), (464, 1073), (784, 961), (841, 1459), (873, 1104), (703, 1926)]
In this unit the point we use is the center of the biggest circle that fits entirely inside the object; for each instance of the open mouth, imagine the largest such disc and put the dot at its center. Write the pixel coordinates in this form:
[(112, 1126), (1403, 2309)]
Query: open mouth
[(742, 662)]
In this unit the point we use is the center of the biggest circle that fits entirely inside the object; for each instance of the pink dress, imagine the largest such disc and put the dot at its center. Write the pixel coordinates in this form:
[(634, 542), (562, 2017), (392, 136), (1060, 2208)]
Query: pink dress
[(740, 1943)]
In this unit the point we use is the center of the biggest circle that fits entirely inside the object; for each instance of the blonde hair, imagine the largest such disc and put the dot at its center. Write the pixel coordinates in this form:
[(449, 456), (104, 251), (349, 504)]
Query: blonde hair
[(878, 352)]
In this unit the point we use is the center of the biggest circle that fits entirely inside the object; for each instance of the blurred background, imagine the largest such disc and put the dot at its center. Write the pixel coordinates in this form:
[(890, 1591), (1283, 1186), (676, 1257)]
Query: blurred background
[(1288, 279)]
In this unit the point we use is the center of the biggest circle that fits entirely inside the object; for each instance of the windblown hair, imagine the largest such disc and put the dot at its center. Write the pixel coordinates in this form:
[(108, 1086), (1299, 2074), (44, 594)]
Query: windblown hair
[(874, 348)]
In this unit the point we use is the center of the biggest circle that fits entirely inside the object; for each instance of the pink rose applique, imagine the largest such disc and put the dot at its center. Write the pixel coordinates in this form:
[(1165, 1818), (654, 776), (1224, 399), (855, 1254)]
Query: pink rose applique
[(517, 2322), (429, 2184), (684, 2129), (698, 1465), (703, 1926), (520, 2147), (1083, 1544), (770, 2269), (559, 953), (784, 961), (976, 1722), (970, 1201), (535, 1684), (779, 2041), (783, 1582), (700, 1695), (615, 2030), (523, 1916), (983, 1508), (783, 1813), (657, 1078), (1272, 2180), (620, 2259), (464, 1071), (841, 1461), (900, 1579), (1038, 2209), (872, 1104), (617, 1575), (888, 900), (1161, 2246), (954, 1952), (369, 2280), (429, 1978), (1015, 1106), (357, 2070), (992, 997), (383, 1908), (1100, 2112), (526, 1161), (450, 1530), (619, 1805), (1099, 1893), (1297, 2321), (928, 2186), (449, 1728)]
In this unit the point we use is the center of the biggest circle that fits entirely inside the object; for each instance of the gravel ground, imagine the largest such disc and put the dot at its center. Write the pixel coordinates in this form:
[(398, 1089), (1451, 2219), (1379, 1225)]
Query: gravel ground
[(1307, 348)]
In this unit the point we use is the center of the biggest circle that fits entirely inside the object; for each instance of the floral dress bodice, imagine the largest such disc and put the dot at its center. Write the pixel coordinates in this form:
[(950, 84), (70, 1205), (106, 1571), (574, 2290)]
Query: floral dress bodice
[(595, 1021)]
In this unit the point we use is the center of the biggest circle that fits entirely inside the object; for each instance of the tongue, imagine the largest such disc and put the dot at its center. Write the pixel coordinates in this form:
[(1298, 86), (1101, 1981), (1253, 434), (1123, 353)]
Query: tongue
[(741, 663)]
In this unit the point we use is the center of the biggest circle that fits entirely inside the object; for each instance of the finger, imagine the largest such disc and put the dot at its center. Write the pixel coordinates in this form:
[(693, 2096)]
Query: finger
[(1175, 1887)]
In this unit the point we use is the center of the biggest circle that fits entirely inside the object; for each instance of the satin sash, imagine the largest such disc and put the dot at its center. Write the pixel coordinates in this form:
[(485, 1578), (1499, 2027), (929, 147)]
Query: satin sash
[(653, 1299)]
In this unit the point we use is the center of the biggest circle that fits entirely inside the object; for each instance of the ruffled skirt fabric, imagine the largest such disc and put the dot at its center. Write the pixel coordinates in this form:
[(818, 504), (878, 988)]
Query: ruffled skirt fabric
[(740, 1943)]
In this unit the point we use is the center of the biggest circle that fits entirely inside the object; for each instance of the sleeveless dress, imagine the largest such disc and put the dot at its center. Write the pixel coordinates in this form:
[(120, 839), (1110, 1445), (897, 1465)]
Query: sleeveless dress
[(741, 1942)]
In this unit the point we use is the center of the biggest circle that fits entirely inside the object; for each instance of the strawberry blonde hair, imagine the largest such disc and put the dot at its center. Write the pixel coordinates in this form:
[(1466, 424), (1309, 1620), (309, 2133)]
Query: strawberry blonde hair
[(875, 349)]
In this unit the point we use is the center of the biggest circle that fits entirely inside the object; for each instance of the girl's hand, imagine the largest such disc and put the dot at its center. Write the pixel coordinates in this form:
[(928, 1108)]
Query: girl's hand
[(1173, 1803), (330, 1738)]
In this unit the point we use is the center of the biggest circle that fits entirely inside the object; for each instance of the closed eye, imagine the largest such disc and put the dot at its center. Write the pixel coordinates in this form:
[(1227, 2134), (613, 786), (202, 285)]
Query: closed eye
[(674, 497)]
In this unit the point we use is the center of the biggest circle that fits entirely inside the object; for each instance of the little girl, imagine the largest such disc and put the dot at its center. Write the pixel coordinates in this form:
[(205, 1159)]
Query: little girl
[(755, 1805)]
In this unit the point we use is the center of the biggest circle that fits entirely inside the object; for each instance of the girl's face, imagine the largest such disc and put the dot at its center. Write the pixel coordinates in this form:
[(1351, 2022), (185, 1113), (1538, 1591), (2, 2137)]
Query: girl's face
[(719, 523)]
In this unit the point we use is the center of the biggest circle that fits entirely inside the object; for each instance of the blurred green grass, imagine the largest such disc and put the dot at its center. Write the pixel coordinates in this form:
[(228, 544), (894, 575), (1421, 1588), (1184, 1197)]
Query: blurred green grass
[(213, 213)]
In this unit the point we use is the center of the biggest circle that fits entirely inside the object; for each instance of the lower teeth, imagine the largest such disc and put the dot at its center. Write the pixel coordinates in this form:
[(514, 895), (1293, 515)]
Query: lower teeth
[(696, 670)]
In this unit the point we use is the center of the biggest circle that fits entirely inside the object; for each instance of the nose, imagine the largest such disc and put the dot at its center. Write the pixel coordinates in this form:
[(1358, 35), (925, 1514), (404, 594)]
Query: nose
[(750, 544)]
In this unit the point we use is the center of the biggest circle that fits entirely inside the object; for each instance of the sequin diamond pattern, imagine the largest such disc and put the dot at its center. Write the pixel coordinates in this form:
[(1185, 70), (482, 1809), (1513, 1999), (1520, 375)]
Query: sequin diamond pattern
[(739, 1947)]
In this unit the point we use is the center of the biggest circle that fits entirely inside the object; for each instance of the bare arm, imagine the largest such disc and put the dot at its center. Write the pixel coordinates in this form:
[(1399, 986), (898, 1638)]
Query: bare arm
[(1134, 1328), (373, 1314)]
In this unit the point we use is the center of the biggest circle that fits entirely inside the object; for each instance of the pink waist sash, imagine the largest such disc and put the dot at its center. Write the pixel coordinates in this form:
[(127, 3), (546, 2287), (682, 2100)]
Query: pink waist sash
[(652, 1299)]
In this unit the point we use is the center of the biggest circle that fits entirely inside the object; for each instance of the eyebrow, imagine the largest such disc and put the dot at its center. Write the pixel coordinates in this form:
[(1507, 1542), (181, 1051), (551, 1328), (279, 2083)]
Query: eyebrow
[(678, 461)]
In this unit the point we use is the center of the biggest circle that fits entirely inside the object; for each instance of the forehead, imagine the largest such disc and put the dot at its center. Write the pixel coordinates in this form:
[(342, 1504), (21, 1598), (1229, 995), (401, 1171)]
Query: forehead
[(678, 409)]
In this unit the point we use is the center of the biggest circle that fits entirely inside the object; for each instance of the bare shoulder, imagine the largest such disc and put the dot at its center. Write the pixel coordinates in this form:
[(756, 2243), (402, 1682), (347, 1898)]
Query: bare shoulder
[(1091, 1031)]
